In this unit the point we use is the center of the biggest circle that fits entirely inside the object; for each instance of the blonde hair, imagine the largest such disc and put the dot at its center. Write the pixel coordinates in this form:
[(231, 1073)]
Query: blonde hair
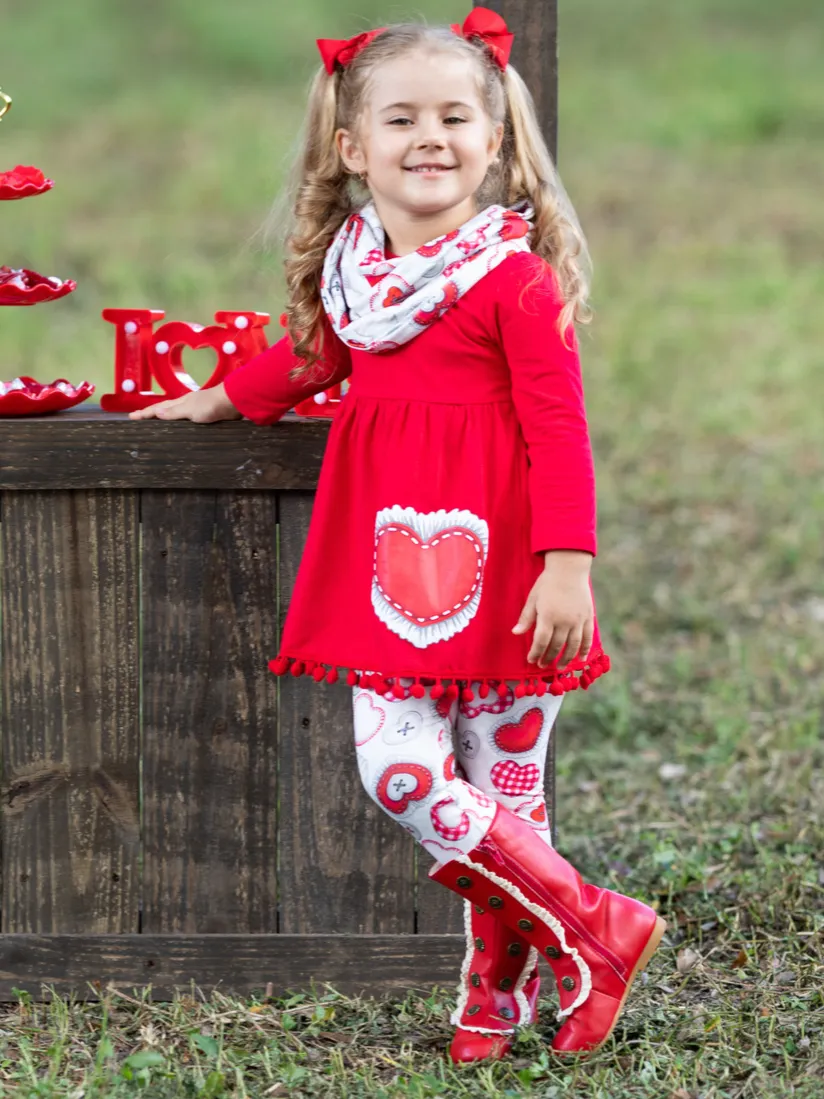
[(321, 192)]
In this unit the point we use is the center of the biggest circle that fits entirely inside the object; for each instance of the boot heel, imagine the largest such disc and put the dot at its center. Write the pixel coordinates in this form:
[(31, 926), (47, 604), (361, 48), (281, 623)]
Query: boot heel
[(647, 953)]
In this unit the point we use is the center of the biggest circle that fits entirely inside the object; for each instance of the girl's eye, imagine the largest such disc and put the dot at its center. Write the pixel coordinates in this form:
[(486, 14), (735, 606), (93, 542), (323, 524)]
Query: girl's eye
[(452, 118)]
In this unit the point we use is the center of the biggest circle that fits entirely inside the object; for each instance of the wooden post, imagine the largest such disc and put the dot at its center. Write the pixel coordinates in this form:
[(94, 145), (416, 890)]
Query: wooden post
[(535, 55)]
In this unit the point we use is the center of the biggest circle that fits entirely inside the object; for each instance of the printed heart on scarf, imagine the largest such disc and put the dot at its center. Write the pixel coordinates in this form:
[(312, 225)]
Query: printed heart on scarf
[(449, 295), (396, 294), (369, 718), (401, 783), (514, 779), (428, 581), (520, 736)]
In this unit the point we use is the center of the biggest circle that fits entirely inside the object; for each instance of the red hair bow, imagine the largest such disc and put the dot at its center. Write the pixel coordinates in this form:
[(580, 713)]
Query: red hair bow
[(482, 23), (489, 26), (344, 49)]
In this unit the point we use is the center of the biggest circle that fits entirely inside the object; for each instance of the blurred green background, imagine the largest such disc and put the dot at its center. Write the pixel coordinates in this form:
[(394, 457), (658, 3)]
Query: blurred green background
[(690, 142), (691, 138)]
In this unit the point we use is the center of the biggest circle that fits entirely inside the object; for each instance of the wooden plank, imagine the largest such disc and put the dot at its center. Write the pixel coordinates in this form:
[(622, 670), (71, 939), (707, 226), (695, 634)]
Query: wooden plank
[(345, 866), (535, 55), (86, 448), (209, 771), (375, 965), (70, 714)]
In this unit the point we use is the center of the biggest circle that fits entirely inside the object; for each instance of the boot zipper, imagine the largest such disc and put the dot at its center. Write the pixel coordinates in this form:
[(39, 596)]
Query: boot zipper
[(559, 909)]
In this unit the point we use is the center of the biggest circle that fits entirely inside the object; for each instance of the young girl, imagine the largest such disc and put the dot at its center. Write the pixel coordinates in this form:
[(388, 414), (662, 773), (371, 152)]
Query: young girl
[(435, 261)]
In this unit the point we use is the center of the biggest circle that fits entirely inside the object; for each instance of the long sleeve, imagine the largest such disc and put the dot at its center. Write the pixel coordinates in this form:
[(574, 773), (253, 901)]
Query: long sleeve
[(263, 391), (548, 394)]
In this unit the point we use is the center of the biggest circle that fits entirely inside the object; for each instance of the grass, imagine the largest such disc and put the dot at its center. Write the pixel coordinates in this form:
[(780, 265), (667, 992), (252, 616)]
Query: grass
[(692, 776)]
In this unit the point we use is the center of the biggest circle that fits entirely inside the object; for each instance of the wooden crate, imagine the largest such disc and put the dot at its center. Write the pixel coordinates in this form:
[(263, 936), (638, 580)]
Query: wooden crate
[(170, 809)]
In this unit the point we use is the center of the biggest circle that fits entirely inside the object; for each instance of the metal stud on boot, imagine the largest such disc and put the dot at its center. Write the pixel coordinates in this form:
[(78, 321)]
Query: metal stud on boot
[(498, 988), (595, 940)]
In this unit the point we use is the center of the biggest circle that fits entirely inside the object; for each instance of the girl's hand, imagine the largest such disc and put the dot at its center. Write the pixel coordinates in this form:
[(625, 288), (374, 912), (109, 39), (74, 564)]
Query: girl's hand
[(204, 406), (560, 606)]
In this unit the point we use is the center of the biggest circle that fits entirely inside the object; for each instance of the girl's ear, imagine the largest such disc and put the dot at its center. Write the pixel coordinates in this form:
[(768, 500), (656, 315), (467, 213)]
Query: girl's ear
[(497, 139), (349, 153)]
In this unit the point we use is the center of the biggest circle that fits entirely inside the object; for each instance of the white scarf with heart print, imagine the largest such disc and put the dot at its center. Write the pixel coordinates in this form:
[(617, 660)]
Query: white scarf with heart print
[(376, 304)]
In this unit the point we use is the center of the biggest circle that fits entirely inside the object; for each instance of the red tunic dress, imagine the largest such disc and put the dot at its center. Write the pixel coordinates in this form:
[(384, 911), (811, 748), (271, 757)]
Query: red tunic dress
[(453, 464)]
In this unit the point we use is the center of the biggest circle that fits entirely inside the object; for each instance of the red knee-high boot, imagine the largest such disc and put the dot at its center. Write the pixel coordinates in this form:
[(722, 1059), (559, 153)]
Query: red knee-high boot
[(498, 987), (595, 940)]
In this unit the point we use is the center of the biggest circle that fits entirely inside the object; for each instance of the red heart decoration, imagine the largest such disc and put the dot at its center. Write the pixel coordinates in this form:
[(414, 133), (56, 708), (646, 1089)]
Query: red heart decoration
[(513, 778), (428, 581), (167, 355), (412, 782), (522, 735), (369, 719)]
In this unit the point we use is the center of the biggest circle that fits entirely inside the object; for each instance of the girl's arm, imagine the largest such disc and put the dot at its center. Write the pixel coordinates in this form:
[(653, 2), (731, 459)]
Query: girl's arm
[(547, 391), (262, 390)]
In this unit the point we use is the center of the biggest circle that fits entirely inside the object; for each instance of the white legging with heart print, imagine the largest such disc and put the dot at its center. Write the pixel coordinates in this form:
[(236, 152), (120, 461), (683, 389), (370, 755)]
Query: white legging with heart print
[(439, 767)]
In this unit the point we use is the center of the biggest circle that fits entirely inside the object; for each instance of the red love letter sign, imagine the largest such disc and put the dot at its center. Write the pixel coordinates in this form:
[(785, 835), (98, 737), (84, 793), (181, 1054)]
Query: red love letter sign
[(132, 370)]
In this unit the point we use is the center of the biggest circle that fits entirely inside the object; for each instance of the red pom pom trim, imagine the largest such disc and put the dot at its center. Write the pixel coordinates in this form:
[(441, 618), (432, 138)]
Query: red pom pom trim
[(557, 684)]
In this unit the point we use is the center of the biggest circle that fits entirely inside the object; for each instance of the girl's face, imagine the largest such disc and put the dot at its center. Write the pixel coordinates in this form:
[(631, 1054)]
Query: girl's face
[(422, 109)]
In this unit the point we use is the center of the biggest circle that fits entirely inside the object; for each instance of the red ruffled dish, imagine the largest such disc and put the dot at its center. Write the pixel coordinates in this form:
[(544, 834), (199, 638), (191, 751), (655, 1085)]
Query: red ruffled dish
[(26, 397), (23, 181), (22, 287)]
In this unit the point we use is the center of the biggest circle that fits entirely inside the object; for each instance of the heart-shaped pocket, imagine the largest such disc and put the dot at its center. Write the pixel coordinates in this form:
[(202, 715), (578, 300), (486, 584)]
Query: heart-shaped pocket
[(428, 572), (428, 581)]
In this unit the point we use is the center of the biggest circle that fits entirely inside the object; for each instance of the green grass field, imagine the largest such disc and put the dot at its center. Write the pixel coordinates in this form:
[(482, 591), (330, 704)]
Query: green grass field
[(691, 139)]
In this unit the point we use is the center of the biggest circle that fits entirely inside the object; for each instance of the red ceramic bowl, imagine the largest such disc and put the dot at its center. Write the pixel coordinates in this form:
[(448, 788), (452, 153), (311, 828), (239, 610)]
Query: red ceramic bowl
[(23, 181), (22, 287), (31, 398)]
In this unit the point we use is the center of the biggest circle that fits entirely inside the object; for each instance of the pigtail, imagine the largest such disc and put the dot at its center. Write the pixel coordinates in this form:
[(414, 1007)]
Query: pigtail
[(318, 194), (556, 235)]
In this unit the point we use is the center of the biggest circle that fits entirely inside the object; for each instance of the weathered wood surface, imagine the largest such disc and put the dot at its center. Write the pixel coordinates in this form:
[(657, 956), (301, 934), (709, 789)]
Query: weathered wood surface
[(535, 55), (240, 964), (209, 612), (86, 448), (345, 866), (70, 717)]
